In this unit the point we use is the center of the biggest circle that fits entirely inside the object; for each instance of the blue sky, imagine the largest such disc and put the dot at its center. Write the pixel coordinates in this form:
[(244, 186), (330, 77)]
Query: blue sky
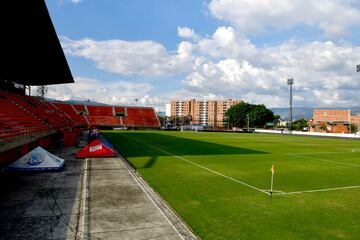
[(161, 50)]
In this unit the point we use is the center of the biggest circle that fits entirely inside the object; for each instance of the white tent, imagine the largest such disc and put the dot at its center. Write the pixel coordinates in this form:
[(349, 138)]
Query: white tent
[(37, 160)]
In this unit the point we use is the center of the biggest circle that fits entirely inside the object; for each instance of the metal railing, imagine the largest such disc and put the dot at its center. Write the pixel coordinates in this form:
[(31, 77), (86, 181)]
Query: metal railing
[(9, 133)]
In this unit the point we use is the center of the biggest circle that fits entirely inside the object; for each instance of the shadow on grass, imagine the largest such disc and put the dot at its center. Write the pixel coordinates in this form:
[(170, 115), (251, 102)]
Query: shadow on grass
[(138, 144)]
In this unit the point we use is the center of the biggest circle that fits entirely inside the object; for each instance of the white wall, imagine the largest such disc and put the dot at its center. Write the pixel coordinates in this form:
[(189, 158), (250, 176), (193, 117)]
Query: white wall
[(168, 110), (341, 135)]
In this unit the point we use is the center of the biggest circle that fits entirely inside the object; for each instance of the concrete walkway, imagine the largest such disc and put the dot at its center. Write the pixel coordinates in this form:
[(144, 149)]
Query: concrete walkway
[(41, 205), (99, 198), (118, 208)]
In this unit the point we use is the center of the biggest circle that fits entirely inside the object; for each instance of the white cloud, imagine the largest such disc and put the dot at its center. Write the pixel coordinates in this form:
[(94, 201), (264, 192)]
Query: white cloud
[(110, 92), (333, 17), (224, 64), (60, 2), (188, 33), (225, 42), (131, 58), (324, 74), (76, 1)]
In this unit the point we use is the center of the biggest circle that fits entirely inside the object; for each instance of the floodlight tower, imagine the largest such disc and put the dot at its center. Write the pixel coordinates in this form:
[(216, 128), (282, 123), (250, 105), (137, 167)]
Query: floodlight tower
[(290, 82), (248, 120), (358, 70)]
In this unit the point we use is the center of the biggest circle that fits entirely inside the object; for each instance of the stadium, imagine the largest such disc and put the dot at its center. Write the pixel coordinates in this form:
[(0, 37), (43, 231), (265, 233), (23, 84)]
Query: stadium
[(84, 170)]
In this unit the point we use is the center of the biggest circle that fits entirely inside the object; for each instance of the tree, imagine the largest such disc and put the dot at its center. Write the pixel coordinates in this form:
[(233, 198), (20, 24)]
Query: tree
[(237, 115), (277, 119), (162, 120), (180, 121), (353, 128), (260, 115), (300, 124)]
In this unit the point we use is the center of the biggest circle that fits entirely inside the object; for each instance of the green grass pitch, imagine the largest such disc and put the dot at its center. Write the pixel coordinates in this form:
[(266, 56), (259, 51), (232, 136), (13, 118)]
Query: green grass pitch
[(219, 182)]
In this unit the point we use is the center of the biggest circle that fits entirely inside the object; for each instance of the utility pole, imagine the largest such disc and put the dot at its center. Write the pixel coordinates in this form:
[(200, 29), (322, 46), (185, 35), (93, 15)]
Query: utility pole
[(248, 125), (358, 70), (290, 82)]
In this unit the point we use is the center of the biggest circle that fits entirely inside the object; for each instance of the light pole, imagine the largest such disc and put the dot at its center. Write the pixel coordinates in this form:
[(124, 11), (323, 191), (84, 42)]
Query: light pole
[(290, 82), (358, 70), (227, 121), (247, 115)]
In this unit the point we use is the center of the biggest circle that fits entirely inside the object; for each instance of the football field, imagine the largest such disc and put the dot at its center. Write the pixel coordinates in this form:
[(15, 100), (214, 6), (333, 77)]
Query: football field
[(219, 183)]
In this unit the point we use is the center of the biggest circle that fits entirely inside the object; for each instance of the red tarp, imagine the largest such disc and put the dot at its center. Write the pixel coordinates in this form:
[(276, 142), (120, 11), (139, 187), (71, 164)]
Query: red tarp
[(96, 149)]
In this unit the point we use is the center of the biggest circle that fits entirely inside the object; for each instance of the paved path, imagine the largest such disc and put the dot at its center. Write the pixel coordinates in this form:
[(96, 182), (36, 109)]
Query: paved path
[(118, 208), (41, 205), (90, 199)]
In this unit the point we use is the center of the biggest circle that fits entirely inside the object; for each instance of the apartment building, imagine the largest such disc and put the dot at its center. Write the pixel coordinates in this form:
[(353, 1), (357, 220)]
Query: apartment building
[(207, 112)]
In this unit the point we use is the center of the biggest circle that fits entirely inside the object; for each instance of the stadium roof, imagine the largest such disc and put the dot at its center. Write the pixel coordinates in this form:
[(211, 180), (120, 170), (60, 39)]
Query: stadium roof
[(30, 50)]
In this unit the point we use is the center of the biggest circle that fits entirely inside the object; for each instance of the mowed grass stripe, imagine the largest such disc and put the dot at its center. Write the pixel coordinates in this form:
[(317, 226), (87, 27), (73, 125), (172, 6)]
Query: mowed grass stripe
[(200, 166)]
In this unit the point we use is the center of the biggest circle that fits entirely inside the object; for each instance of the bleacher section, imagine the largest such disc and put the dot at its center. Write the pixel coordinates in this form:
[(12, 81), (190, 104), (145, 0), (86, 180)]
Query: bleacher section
[(104, 121), (100, 110), (72, 113), (16, 121), (111, 116), (140, 117), (24, 115), (80, 108)]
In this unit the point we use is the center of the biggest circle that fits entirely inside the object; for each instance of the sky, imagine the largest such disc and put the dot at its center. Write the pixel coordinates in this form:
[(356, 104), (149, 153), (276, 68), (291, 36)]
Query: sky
[(148, 52)]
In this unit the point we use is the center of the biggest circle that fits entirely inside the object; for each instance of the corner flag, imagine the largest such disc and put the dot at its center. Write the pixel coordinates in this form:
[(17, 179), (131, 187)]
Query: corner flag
[(272, 169), (272, 179)]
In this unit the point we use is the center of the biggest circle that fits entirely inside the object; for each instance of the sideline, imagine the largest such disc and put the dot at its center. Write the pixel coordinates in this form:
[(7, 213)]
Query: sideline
[(316, 190)]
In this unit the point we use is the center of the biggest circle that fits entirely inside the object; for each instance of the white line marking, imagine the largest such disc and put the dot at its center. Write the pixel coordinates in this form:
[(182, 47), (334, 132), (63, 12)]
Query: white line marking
[(80, 234), (317, 190), (352, 151), (323, 160), (274, 191), (153, 202), (200, 166), (132, 142)]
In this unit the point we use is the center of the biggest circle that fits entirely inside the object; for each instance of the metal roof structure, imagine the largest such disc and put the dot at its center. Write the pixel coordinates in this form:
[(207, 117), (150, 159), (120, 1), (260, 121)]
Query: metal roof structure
[(30, 51)]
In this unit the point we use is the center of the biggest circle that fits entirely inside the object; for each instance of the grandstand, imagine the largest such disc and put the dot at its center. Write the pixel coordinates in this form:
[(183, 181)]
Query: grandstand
[(110, 116), (27, 122), (32, 118), (23, 116), (73, 113)]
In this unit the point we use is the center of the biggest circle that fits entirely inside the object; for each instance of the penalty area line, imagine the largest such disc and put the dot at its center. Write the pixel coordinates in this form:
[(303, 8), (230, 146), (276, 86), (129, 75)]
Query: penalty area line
[(200, 166), (316, 190)]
